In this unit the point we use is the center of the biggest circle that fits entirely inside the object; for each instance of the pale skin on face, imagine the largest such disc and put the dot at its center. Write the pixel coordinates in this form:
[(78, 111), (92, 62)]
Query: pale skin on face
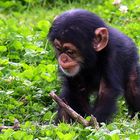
[(68, 60), (69, 57)]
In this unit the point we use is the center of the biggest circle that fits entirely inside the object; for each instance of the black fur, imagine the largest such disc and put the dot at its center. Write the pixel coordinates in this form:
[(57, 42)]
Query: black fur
[(116, 65)]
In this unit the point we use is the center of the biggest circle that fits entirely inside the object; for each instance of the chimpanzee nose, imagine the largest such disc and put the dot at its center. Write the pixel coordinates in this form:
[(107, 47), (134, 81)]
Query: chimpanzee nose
[(64, 58)]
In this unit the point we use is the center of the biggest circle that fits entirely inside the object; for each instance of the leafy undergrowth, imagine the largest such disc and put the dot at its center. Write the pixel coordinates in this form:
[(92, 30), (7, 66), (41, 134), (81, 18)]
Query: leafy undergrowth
[(28, 71)]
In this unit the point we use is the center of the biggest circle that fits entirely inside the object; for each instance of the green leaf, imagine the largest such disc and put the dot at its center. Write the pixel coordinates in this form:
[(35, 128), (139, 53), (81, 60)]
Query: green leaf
[(60, 135), (17, 45), (47, 116), (44, 25), (28, 137), (19, 135), (3, 49), (51, 68), (115, 137)]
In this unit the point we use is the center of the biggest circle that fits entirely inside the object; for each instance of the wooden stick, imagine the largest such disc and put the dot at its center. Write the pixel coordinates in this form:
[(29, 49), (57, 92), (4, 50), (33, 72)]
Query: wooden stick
[(16, 126), (74, 114)]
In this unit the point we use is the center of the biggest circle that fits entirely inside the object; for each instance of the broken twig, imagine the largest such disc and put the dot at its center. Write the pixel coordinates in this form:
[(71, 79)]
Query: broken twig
[(73, 114), (16, 126)]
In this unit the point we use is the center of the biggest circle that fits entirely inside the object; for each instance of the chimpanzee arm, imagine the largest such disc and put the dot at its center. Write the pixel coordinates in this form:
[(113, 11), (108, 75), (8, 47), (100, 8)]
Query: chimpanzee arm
[(76, 98), (105, 104)]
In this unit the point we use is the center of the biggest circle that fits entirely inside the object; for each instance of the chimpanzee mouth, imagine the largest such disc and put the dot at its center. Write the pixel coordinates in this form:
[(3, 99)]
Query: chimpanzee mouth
[(71, 72)]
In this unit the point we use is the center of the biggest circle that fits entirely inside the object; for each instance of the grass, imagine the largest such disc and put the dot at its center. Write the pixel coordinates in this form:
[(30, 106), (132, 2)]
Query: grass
[(28, 71)]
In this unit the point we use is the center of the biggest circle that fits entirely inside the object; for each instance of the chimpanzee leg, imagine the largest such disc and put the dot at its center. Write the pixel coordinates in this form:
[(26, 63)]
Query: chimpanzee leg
[(105, 104), (132, 94), (77, 101)]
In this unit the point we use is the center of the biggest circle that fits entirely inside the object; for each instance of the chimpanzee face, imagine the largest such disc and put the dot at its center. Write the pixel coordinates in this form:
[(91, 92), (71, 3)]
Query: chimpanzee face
[(76, 41), (69, 57)]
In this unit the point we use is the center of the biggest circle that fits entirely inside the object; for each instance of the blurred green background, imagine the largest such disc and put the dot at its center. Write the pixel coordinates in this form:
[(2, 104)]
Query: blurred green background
[(28, 69)]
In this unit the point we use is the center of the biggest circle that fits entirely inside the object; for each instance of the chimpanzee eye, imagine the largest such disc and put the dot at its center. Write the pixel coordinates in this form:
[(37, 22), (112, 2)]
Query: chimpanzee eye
[(70, 52), (57, 48)]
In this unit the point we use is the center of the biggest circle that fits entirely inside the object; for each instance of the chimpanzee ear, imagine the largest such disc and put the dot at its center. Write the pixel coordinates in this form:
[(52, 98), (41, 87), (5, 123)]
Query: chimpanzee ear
[(101, 39)]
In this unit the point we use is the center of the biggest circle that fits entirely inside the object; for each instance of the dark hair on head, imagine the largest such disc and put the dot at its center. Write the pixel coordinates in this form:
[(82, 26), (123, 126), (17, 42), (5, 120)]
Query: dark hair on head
[(75, 25)]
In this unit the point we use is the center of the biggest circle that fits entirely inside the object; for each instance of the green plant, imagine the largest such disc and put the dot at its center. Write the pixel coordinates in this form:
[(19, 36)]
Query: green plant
[(28, 71)]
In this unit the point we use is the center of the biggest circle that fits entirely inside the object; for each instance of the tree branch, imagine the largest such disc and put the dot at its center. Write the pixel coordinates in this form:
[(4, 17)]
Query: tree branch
[(73, 114), (16, 126)]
